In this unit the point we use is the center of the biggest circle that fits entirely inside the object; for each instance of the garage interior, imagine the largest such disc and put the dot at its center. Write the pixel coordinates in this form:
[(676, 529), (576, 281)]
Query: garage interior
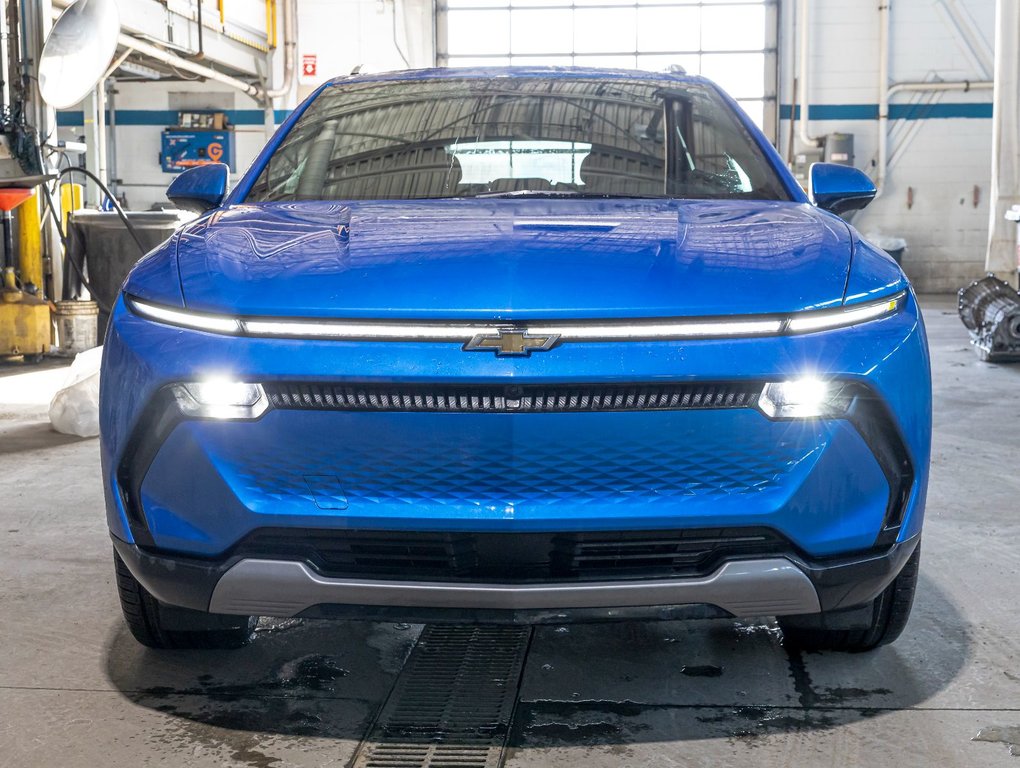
[(922, 95)]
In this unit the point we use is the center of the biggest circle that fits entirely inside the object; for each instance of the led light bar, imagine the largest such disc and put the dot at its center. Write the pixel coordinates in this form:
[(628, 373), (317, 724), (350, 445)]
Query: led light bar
[(662, 330), (185, 319), (325, 329), (464, 333), (806, 322)]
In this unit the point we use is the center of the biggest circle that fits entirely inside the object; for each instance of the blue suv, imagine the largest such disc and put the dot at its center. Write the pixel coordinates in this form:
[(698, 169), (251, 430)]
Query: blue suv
[(517, 345)]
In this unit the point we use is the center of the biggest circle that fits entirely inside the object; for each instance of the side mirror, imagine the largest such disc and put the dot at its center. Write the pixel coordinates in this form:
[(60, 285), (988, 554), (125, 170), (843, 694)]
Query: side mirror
[(200, 188), (840, 188)]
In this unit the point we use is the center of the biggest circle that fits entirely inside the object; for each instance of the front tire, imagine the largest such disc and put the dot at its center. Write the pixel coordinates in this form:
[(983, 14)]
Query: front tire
[(156, 625), (888, 616)]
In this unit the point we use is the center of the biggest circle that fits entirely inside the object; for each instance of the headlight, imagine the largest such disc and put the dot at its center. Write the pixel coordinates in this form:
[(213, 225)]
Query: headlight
[(808, 322), (220, 398), (805, 398), (735, 326), (199, 321)]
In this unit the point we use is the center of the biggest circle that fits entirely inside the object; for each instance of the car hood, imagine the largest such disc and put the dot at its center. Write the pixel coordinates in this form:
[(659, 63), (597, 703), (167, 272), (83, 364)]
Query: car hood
[(507, 259)]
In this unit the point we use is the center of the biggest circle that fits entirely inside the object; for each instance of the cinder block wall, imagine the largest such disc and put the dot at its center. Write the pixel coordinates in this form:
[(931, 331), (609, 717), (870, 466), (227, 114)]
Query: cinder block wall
[(941, 155)]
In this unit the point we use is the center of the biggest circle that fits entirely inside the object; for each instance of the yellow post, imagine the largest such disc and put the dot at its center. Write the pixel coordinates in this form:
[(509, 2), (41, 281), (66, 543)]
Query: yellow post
[(30, 241), (71, 196), (71, 199)]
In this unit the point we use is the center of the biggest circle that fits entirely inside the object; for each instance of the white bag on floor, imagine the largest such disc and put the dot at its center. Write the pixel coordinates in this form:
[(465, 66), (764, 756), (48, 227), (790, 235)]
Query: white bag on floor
[(74, 410)]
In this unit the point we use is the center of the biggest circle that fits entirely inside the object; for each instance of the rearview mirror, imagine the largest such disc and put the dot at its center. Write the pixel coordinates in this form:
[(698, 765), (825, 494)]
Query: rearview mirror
[(840, 188), (200, 188)]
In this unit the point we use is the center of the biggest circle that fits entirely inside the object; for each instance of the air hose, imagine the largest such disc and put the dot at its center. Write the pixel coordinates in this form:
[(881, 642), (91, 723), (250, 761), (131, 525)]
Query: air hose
[(64, 236), (55, 214), (113, 202)]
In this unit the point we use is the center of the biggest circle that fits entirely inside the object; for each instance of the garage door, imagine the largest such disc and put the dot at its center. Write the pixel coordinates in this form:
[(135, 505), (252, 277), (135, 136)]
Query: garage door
[(730, 41)]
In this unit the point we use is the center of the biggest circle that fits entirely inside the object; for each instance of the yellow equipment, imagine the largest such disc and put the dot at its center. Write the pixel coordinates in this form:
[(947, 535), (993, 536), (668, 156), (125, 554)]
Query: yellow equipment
[(30, 243), (24, 317), (24, 321)]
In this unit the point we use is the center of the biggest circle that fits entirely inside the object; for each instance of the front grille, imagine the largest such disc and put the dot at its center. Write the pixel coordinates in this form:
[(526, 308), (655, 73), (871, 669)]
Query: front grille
[(517, 557), (556, 398)]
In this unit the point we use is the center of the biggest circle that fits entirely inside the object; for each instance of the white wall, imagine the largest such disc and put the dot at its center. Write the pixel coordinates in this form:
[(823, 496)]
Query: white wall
[(344, 34), (939, 161)]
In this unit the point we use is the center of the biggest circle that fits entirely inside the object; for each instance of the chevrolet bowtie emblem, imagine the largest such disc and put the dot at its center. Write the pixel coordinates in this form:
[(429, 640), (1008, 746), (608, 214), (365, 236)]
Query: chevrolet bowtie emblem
[(511, 342)]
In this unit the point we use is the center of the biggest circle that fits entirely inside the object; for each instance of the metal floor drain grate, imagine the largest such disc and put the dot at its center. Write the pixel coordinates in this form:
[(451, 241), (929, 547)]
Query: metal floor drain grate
[(452, 703)]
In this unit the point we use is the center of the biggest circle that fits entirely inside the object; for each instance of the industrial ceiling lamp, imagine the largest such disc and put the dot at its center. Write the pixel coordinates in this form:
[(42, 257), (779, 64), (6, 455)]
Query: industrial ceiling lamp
[(78, 51)]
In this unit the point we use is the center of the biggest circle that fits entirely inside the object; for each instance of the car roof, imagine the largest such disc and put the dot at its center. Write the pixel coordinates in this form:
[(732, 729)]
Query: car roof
[(447, 73)]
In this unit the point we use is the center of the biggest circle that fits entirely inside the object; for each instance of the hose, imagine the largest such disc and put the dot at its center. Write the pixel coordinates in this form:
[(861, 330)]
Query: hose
[(113, 202), (64, 236), (67, 249)]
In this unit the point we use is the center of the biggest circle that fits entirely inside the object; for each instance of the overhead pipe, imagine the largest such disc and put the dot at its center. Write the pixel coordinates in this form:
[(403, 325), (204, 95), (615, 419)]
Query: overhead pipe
[(887, 91), (289, 50), (111, 126), (289, 65), (883, 113), (187, 65), (101, 134), (803, 28), (942, 85), (1001, 253), (884, 14)]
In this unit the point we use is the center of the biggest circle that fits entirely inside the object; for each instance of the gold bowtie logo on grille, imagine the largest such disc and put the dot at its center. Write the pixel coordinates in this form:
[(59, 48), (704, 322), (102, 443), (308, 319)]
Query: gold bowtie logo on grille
[(511, 342)]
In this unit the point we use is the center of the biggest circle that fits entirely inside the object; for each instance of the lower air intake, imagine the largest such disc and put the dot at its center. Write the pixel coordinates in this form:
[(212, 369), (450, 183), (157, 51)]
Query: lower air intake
[(514, 558)]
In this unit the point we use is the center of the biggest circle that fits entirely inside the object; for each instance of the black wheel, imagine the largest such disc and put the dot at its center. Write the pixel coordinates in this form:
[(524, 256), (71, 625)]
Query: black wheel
[(883, 621), (162, 626)]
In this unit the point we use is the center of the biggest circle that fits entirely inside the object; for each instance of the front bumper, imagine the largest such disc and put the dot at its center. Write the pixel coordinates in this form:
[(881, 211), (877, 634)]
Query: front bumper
[(772, 586)]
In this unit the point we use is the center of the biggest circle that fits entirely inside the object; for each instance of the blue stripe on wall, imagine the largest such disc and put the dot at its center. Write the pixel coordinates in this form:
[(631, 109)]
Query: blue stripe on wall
[(935, 111), (166, 117), (833, 111), (896, 111), (247, 117)]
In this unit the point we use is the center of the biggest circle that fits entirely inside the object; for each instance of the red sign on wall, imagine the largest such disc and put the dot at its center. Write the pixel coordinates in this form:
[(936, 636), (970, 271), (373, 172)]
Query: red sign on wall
[(309, 65)]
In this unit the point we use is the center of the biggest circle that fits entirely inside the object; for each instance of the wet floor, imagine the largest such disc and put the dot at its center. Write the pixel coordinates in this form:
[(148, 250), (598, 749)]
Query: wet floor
[(76, 690)]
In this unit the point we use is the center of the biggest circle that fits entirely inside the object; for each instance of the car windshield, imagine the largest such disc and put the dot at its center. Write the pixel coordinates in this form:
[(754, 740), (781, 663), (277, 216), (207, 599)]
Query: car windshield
[(524, 136)]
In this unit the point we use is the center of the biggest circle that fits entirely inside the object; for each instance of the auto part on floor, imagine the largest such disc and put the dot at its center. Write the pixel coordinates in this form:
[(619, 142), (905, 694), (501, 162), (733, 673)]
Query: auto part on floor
[(74, 410), (990, 308)]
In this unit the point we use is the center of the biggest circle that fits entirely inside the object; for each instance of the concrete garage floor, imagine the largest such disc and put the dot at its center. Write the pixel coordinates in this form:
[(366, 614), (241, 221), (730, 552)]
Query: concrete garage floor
[(76, 690)]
